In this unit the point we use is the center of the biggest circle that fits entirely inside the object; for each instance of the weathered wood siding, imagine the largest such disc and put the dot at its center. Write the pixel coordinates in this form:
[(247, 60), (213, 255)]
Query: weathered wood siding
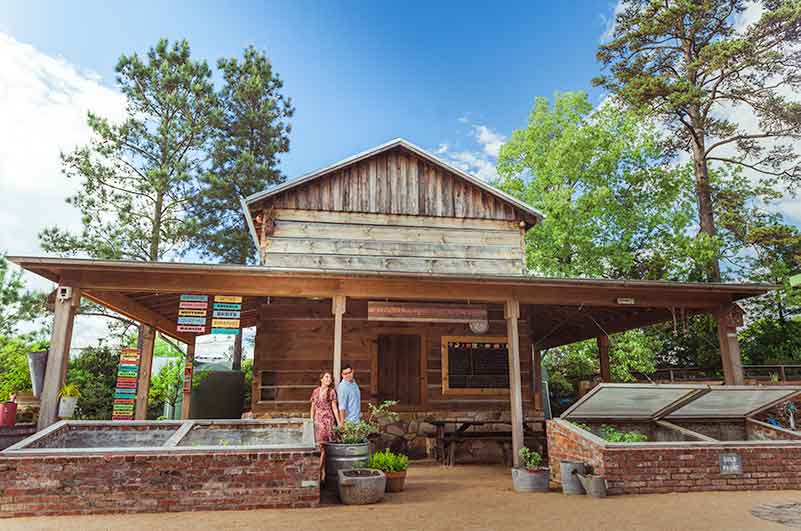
[(294, 343), (378, 242)]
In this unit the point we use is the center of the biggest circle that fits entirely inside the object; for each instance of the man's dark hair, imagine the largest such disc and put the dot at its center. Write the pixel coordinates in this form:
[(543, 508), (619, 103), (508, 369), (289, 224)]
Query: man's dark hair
[(345, 368)]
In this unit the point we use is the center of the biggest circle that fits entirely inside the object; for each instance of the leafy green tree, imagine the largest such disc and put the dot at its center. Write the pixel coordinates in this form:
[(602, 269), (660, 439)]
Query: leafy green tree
[(166, 386), (249, 133), (94, 371), (587, 171), (14, 373), (684, 62), (138, 176), (16, 303)]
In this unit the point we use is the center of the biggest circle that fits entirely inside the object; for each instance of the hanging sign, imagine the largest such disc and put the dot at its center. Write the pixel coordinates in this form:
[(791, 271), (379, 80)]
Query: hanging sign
[(193, 305), (420, 312), (194, 298), (228, 298), (226, 314), (192, 321), (192, 313), (194, 329), (225, 323), (225, 331), (125, 390), (227, 306)]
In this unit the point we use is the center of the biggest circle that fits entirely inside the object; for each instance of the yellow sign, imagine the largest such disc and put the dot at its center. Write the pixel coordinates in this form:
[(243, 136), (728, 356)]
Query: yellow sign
[(225, 323), (192, 313), (227, 298)]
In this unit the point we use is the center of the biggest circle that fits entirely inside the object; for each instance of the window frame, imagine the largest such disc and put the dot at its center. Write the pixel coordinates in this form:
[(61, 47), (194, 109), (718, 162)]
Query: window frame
[(462, 391)]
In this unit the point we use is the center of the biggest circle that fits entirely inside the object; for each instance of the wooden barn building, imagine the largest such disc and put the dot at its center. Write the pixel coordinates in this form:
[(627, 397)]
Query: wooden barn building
[(403, 266)]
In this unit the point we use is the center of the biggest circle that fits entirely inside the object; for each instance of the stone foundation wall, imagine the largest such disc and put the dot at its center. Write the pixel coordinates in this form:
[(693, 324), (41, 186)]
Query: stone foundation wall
[(90, 483)]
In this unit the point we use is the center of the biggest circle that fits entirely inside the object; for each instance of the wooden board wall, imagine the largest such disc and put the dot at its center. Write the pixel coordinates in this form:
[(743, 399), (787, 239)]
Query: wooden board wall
[(294, 342), (377, 242), (396, 182)]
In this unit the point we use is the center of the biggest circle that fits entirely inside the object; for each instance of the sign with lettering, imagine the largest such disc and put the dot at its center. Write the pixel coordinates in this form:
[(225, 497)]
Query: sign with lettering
[(730, 464), (226, 306), (421, 312), (191, 328), (225, 323), (191, 320), (193, 305), (194, 298), (226, 314), (192, 313), (228, 298), (225, 331)]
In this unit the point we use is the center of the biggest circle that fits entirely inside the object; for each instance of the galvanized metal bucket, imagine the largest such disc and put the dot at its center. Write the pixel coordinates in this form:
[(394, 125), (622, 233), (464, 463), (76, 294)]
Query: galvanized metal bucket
[(343, 457), (568, 473)]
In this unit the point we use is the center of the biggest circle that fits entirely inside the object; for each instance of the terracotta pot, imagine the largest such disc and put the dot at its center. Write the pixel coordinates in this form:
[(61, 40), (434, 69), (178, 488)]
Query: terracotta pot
[(395, 481)]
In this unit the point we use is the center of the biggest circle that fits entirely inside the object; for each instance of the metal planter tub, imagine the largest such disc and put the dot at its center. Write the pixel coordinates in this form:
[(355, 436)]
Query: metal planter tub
[(524, 480), (343, 457), (361, 486)]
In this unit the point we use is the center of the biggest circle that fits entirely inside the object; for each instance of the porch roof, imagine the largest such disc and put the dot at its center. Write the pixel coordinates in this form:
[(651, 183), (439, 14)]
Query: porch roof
[(559, 310)]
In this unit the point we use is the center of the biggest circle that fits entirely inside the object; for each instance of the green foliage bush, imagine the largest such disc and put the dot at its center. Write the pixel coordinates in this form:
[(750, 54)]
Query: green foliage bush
[(388, 461), (358, 432), (532, 460), (14, 374), (612, 434), (94, 372)]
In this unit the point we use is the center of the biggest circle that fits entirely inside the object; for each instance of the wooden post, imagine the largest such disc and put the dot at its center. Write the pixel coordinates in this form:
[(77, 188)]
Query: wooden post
[(603, 357), (512, 314), (537, 362), (337, 308), (729, 318), (188, 371), (236, 362), (58, 356), (145, 368)]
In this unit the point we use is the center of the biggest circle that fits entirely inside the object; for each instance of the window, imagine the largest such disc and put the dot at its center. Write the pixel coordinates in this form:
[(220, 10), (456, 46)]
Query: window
[(267, 389), (475, 365)]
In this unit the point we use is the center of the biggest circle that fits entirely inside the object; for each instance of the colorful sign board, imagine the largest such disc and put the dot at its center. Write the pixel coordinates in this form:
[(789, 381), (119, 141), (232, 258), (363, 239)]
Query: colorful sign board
[(227, 306), (226, 314), (192, 321), (228, 298), (194, 314), (225, 323), (193, 305), (194, 298), (124, 404), (225, 331), (194, 329)]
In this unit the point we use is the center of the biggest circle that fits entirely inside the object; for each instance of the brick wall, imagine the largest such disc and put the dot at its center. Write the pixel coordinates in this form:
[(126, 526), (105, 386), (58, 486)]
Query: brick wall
[(157, 482), (665, 467), (566, 443)]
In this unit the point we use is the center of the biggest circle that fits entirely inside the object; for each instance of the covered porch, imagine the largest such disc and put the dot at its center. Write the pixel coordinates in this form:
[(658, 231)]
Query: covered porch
[(330, 312)]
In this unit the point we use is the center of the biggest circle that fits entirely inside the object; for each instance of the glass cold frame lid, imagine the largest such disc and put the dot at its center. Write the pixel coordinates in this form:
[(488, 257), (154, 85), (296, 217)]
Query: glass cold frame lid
[(655, 401)]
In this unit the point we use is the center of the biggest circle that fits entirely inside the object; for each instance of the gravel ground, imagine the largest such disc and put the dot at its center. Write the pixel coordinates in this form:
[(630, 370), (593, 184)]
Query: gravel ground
[(463, 497)]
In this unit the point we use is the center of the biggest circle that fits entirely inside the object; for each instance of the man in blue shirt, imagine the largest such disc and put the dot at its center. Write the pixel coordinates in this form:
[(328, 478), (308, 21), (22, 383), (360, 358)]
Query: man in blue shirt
[(349, 396)]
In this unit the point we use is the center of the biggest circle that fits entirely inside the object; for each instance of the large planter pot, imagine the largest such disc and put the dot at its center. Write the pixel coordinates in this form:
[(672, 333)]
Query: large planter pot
[(8, 414), (395, 481), (524, 480), (66, 406), (361, 486), (343, 457)]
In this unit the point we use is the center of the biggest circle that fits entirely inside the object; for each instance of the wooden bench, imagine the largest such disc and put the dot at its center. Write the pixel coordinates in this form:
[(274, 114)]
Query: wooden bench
[(446, 442)]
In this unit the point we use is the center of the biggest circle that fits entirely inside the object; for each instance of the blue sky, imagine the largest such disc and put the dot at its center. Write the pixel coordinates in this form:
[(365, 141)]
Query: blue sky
[(359, 73)]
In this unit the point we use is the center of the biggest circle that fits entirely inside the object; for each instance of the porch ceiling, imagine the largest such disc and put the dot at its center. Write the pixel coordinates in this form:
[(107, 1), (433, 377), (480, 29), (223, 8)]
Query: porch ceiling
[(559, 311)]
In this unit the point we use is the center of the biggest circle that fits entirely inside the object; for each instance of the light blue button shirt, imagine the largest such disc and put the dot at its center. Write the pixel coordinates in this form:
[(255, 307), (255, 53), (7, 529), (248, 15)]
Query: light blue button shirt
[(350, 399)]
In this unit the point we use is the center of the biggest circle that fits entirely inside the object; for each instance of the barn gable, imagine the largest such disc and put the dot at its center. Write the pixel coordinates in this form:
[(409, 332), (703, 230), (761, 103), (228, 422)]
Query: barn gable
[(392, 208)]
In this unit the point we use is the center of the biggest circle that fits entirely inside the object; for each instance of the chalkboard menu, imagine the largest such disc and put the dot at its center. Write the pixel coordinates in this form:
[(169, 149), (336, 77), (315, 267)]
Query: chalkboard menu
[(478, 365)]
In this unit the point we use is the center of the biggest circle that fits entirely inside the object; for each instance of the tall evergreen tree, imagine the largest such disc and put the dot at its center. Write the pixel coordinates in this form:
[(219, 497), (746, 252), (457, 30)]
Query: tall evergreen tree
[(685, 62), (249, 134), (138, 176)]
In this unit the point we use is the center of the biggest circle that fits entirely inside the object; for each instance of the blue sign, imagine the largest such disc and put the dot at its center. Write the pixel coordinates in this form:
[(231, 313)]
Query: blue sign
[(191, 320)]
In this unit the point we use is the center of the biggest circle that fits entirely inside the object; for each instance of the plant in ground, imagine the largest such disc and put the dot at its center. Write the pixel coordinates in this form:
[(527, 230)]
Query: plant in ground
[(612, 434), (358, 432), (532, 460), (387, 461)]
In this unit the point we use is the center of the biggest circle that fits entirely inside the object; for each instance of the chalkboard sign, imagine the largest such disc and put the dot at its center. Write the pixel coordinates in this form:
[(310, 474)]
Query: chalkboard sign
[(730, 464), (478, 365)]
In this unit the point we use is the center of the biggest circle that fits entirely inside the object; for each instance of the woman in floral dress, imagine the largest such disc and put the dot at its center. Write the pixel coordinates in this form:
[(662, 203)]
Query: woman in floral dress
[(324, 412)]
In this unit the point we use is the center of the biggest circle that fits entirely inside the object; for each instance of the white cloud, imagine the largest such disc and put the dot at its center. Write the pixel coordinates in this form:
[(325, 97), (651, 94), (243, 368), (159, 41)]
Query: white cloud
[(481, 160), (609, 21), (43, 106)]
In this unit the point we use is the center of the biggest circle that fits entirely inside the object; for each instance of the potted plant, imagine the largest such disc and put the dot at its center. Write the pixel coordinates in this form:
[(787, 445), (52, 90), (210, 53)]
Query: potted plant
[(349, 447), (8, 412), (534, 477), (68, 399), (393, 466)]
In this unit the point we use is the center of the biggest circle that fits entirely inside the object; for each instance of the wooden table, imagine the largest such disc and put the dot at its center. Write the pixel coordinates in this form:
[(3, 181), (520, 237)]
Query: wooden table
[(445, 448)]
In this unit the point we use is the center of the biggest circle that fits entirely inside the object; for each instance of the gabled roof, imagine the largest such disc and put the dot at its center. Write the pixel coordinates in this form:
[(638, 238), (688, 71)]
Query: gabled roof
[(398, 142)]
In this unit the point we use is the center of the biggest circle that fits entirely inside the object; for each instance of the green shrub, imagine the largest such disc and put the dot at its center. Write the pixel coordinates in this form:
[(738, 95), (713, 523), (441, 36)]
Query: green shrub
[(358, 432), (531, 460), (387, 461), (612, 434)]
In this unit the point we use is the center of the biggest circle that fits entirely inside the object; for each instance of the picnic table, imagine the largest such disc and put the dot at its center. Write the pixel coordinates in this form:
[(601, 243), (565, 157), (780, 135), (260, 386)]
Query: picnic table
[(446, 441)]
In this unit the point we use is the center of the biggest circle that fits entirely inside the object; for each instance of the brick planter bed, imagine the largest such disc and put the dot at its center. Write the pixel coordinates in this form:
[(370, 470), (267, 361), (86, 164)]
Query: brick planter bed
[(40, 479), (770, 459)]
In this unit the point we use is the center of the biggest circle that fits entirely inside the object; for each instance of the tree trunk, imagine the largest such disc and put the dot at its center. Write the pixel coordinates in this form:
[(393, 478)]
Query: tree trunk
[(236, 363), (703, 192), (155, 235)]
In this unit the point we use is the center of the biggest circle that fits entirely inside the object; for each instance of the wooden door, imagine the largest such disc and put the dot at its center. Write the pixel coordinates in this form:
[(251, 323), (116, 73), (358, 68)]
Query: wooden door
[(399, 368)]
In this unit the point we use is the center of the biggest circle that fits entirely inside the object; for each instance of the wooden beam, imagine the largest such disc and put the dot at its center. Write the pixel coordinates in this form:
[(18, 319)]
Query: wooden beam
[(58, 355), (537, 363), (188, 372), (145, 368), (338, 308), (603, 357), (729, 346), (512, 314), (137, 311)]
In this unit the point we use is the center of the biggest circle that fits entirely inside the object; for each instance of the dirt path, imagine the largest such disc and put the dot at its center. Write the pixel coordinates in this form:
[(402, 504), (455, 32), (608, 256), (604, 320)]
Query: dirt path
[(464, 497)]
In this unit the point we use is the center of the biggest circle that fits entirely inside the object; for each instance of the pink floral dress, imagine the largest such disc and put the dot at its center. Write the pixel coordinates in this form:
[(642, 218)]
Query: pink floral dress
[(323, 414)]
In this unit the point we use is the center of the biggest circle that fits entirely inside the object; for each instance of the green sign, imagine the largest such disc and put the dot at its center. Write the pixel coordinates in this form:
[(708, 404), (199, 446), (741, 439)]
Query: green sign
[(795, 281)]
